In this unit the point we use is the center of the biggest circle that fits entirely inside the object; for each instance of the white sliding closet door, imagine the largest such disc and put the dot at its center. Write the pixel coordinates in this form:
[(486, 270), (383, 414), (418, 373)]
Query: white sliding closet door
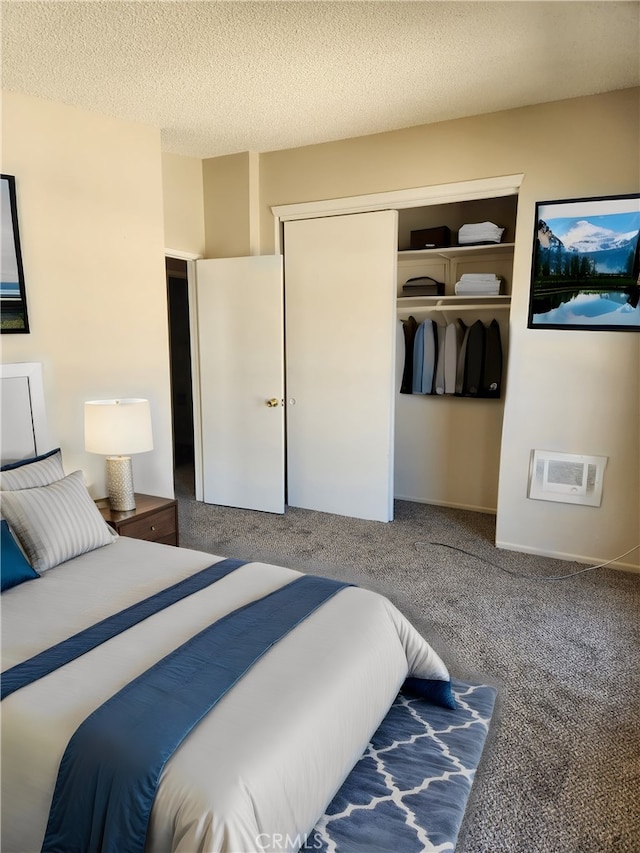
[(240, 334), (340, 292)]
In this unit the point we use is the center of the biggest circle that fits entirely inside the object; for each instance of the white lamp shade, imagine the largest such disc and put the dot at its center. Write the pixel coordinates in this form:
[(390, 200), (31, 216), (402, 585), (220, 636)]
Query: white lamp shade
[(117, 427)]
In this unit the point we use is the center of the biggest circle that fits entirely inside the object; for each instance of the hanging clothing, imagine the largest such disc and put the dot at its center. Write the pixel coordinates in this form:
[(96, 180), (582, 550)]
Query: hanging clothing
[(439, 378), (492, 367), (409, 328), (424, 358), (452, 359), (452, 343), (418, 360), (464, 329), (474, 360), (430, 356)]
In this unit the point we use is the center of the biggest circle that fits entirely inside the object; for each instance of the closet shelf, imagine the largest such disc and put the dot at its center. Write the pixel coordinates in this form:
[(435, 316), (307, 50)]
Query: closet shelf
[(457, 251), (454, 303)]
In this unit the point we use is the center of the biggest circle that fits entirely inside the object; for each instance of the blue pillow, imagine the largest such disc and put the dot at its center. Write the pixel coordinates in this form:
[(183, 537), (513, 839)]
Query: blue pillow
[(14, 568), (434, 690), (11, 465)]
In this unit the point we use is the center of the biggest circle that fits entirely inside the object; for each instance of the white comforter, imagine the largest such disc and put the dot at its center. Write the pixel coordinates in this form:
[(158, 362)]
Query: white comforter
[(260, 769)]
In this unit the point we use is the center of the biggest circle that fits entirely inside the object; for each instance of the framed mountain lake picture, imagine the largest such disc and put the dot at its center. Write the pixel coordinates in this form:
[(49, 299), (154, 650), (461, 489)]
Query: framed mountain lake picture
[(13, 299), (586, 264)]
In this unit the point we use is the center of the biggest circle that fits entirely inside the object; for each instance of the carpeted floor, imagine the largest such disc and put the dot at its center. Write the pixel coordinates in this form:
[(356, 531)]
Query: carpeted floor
[(561, 767)]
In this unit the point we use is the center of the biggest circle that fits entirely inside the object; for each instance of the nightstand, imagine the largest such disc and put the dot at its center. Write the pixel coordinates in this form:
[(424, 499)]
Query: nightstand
[(155, 519)]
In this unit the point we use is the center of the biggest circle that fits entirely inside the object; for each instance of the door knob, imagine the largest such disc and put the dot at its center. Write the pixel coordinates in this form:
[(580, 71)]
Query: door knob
[(272, 403)]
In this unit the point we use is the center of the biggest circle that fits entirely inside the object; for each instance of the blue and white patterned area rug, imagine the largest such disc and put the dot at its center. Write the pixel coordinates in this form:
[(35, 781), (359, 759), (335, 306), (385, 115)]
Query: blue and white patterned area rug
[(409, 791)]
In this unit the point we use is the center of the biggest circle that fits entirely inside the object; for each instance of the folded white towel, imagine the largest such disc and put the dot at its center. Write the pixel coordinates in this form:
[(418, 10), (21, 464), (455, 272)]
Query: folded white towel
[(479, 276), (478, 289), (480, 232)]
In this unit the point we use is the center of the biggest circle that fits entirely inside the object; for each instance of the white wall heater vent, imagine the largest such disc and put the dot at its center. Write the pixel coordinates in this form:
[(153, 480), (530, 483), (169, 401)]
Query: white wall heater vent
[(566, 477)]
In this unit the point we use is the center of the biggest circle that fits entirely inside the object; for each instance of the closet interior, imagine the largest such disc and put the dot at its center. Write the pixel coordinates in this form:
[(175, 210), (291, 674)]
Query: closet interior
[(447, 442)]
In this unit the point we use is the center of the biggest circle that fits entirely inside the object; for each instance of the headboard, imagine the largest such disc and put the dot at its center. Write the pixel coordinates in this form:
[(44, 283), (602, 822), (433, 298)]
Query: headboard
[(23, 418)]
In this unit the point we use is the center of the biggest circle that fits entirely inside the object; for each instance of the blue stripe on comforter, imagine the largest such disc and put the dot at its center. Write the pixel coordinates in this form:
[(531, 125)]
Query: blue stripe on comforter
[(111, 768), (51, 659)]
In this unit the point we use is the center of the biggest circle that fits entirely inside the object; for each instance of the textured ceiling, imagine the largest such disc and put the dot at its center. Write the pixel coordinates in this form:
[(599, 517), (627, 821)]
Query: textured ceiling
[(223, 77)]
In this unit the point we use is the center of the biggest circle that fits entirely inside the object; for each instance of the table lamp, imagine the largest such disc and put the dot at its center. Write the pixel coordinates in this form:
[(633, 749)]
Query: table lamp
[(116, 429)]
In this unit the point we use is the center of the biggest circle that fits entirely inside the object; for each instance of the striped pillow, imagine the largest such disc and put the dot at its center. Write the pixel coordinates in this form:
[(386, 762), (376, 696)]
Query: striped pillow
[(30, 473), (57, 522)]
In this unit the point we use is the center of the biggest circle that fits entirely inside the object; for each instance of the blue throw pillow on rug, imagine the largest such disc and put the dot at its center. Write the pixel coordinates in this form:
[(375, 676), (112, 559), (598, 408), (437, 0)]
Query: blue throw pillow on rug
[(434, 690), (14, 567)]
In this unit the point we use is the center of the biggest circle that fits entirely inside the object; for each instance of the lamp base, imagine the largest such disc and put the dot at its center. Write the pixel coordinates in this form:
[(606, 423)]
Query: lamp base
[(120, 483)]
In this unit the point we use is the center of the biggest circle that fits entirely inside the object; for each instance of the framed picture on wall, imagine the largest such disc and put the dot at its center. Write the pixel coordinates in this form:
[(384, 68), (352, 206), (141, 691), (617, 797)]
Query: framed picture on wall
[(585, 272), (13, 298)]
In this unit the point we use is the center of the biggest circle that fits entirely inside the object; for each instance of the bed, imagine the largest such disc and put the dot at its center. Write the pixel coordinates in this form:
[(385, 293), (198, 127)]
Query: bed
[(256, 769)]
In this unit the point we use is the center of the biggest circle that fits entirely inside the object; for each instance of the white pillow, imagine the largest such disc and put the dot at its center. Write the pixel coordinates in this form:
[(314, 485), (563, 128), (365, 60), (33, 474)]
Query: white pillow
[(29, 473), (56, 522)]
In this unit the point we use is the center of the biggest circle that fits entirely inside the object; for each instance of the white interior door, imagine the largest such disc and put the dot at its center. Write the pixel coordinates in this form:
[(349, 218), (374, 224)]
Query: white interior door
[(340, 292), (240, 335)]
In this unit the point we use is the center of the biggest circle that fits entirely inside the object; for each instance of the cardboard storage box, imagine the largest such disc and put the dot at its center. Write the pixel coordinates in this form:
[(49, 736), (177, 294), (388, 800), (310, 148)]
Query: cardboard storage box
[(431, 238)]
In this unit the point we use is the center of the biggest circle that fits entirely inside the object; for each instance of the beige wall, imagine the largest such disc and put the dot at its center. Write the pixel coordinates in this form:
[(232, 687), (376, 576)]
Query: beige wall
[(89, 193), (544, 141), (183, 194), (227, 216), (568, 391), (91, 214)]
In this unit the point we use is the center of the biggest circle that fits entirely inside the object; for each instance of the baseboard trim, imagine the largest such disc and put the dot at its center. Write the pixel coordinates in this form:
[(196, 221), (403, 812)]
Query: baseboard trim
[(575, 558), (485, 509)]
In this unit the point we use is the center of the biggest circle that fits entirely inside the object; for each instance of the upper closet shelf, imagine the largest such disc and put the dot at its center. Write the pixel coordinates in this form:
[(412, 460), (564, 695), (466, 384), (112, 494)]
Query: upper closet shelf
[(457, 303), (457, 251)]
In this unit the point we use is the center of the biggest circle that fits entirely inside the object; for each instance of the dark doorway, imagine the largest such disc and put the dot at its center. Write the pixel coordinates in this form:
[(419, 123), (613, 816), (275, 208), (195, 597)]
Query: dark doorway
[(181, 384)]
